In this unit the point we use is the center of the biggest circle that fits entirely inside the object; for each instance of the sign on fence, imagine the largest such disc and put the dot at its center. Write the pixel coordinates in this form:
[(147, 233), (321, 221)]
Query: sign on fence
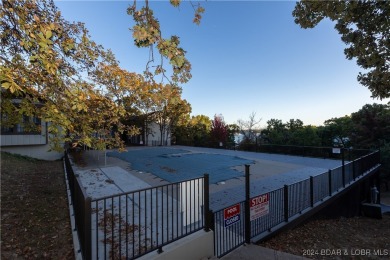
[(336, 150), (231, 215), (259, 206)]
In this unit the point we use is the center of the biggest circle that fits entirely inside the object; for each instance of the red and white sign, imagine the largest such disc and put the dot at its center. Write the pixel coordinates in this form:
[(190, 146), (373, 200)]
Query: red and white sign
[(231, 215), (259, 206)]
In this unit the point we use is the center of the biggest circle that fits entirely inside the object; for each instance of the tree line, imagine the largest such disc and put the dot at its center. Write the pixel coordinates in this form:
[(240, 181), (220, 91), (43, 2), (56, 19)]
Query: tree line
[(368, 128)]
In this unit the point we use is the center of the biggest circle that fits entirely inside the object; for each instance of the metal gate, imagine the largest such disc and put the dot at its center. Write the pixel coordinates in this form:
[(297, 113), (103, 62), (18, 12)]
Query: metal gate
[(229, 229)]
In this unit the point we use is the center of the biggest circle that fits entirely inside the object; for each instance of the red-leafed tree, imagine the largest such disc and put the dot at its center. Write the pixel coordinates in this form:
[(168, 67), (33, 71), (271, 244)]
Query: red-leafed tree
[(219, 130)]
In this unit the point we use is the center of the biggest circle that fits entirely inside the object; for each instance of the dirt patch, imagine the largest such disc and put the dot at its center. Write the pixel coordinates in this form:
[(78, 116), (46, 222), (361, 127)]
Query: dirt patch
[(343, 238), (34, 210)]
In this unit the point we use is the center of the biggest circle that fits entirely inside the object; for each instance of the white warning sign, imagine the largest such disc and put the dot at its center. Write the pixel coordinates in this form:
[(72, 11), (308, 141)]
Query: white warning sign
[(259, 206)]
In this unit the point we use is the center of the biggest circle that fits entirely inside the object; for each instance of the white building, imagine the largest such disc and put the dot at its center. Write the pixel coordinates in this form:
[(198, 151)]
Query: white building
[(35, 144), (151, 136)]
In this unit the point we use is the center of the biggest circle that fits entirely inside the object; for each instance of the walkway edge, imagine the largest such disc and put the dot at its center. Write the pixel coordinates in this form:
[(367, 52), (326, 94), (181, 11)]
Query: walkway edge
[(252, 252), (75, 237)]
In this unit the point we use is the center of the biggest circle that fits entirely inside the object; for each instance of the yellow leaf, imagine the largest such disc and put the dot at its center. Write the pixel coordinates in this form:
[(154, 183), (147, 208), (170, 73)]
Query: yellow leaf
[(6, 85), (48, 34)]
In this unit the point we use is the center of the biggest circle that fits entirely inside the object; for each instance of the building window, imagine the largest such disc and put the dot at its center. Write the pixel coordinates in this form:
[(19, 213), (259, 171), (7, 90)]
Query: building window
[(5, 128), (29, 125)]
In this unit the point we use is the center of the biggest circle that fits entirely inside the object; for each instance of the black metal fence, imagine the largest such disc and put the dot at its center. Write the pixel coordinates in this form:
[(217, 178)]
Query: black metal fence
[(276, 213), (265, 212), (229, 228), (131, 224), (312, 151), (305, 151), (81, 208)]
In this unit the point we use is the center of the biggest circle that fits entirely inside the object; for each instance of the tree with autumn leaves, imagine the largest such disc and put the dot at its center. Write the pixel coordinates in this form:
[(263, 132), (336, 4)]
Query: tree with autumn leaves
[(200, 130), (147, 33), (167, 107), (42, 56), (43, 63), (192, 130), (219, 131)]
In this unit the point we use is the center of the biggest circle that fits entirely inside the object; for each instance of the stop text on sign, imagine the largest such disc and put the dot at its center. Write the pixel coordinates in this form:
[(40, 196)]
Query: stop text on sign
[(231, 215), (260, 199), (259, 206)]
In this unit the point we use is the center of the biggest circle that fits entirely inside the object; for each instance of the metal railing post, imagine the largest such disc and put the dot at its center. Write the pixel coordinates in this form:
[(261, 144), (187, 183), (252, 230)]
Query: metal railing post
[(311, 191), (286, 203), (206, 212), (247, 206), (330, 182), (70, 176), (343, 166), (87, 229)]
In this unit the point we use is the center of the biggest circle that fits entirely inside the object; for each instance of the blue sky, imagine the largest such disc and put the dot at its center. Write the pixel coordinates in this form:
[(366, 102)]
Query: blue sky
[(246, 57)]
